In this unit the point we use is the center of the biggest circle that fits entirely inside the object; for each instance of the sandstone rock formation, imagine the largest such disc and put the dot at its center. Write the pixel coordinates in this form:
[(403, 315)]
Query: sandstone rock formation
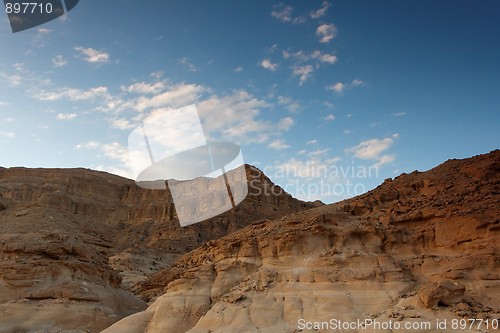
[(73, 241), (417, 250)]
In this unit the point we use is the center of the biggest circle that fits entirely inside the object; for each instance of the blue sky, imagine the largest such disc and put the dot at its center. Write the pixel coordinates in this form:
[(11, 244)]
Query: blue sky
[(328, 97)]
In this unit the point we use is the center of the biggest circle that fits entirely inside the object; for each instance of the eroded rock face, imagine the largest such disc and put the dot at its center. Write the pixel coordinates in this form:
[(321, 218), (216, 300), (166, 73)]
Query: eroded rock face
[(422, 247), (72, 242)]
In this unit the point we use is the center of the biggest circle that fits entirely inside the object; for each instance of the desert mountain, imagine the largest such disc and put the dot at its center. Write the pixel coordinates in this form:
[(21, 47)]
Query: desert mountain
[(419, 250), (73, 242)]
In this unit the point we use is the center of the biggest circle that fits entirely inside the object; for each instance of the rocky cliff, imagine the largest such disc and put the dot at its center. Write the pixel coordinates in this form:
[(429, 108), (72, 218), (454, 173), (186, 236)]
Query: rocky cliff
[(73, 241), (420, 249)]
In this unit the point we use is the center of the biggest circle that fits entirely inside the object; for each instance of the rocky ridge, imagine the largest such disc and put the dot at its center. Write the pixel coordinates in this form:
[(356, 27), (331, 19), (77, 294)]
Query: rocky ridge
[(73, 241), (419, 248)]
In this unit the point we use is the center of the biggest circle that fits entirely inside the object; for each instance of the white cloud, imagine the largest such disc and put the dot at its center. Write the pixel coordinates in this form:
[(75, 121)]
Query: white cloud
[(318, 152), (92, 56), (267, 64), (38, 38), (238, 69), (324, 57), (285, 123), (3, 103), (9, 135), (74, 94), (145, 88), (240, 112), (157, 75), (326, 32), (385, 159), (278, 144), (357, 83), (273, 48), (301, 56), (284, 14), (289, 104), (19, 66), (59, 61), (337, 87), (66, 116), (122, 124), (88, 145), (399, 114), (114, 151), (304, 72), (330, 117), (304, 63), (14, 80), (312, 142), (177, 96), (187, 64), (328, 104), (321, 11), (374, 149)]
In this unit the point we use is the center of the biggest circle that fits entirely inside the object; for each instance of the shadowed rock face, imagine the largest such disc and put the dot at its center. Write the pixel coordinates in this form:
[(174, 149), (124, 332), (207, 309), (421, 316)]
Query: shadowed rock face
[(73, 241), (421, 247)]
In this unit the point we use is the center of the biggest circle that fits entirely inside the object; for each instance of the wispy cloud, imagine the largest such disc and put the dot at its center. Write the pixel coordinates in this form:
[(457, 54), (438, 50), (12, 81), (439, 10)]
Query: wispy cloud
[(177, 96), (241, 112), (39, 38), (186, 63), (326, 32), (324, 57), (66, 116), (301, 56), (304, 63), (284, 14), (374, 149), (358, 83), (238, 69), (59, 61), (303, 72), (336, 87), (122, 124), (273, 48), (92, 56), (330, 117), (9, 135), (115, 152), (290, 104), (12, 79), (321, 11), (340, 87), (312, 142), (399, 114), (278, 144), (145, 88), (73, 94), (285, 123), (267, 64)]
